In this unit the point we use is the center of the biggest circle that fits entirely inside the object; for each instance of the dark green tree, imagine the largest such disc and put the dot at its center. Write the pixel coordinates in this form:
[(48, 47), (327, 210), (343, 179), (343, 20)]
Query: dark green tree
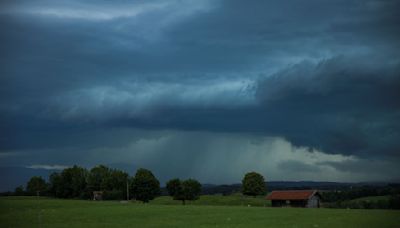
[(145, 186), (253, 184), (174, 188), (111, 181), (73, 183), (55, 185), (19, 191), (184, 190), (36, 186), (116, 183), (98, 177), (191, 189)]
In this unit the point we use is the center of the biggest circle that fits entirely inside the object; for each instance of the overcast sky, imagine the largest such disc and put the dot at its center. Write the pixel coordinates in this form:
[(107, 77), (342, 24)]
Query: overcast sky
[(209, 89)]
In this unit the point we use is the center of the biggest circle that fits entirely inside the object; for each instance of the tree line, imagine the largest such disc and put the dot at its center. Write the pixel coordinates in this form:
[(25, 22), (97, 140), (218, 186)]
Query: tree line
[(361, 191), (348, 198), (79, 183)]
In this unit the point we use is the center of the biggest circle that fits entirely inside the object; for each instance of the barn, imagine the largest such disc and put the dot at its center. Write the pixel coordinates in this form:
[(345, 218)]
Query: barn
[(295, 198)]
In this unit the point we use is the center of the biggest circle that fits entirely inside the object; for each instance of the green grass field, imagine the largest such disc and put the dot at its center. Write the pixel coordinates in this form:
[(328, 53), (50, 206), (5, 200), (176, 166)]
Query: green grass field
[(217, 200), (42, 212)]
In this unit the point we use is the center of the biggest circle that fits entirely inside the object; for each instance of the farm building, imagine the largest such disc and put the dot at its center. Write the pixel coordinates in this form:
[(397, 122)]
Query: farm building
[(98, 195), (295, 198)]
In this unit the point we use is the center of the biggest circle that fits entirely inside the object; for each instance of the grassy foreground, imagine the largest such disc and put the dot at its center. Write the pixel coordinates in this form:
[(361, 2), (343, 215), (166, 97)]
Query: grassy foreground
[(32, 212), (217, 200)]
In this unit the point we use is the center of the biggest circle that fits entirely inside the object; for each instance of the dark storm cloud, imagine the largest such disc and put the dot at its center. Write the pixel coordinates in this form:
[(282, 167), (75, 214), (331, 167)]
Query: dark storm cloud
[(343, 105), (353, 166), (322, 74)]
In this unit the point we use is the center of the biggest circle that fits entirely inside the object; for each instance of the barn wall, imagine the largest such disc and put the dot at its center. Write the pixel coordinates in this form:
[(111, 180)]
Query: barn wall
[(278, 203), (289, 203), (298, 203)]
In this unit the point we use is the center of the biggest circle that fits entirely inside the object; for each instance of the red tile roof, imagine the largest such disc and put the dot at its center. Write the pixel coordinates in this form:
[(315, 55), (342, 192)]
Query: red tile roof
[(291, 195)]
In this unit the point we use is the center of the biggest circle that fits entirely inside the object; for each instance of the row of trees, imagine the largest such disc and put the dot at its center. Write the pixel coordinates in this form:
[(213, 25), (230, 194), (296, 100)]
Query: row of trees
[(387, 202), (361, 191), (78, 182)]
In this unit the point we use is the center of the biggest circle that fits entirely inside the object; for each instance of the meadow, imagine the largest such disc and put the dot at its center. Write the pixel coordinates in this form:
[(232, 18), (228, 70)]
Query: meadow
[(45, 212), (217, 200)]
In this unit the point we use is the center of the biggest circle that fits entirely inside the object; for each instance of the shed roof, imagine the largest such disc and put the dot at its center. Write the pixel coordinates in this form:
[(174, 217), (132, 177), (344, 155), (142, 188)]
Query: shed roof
[(291, 195)]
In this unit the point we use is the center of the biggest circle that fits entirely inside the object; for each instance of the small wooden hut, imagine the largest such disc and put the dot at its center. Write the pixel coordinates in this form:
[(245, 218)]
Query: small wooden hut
[(98, 195)]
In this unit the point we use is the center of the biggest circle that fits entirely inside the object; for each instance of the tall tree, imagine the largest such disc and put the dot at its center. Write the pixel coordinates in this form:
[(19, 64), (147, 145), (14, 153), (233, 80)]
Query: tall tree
[(174, 188), (184, 190), (98, 177), (55, 184), (253, 184), (145, 186), (117, 181), (191, 189), (36, 186), (19, 191), (73, 182)]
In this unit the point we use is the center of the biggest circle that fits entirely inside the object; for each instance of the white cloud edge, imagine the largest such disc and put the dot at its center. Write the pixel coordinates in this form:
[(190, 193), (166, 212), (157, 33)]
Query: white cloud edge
[(47, 167)]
